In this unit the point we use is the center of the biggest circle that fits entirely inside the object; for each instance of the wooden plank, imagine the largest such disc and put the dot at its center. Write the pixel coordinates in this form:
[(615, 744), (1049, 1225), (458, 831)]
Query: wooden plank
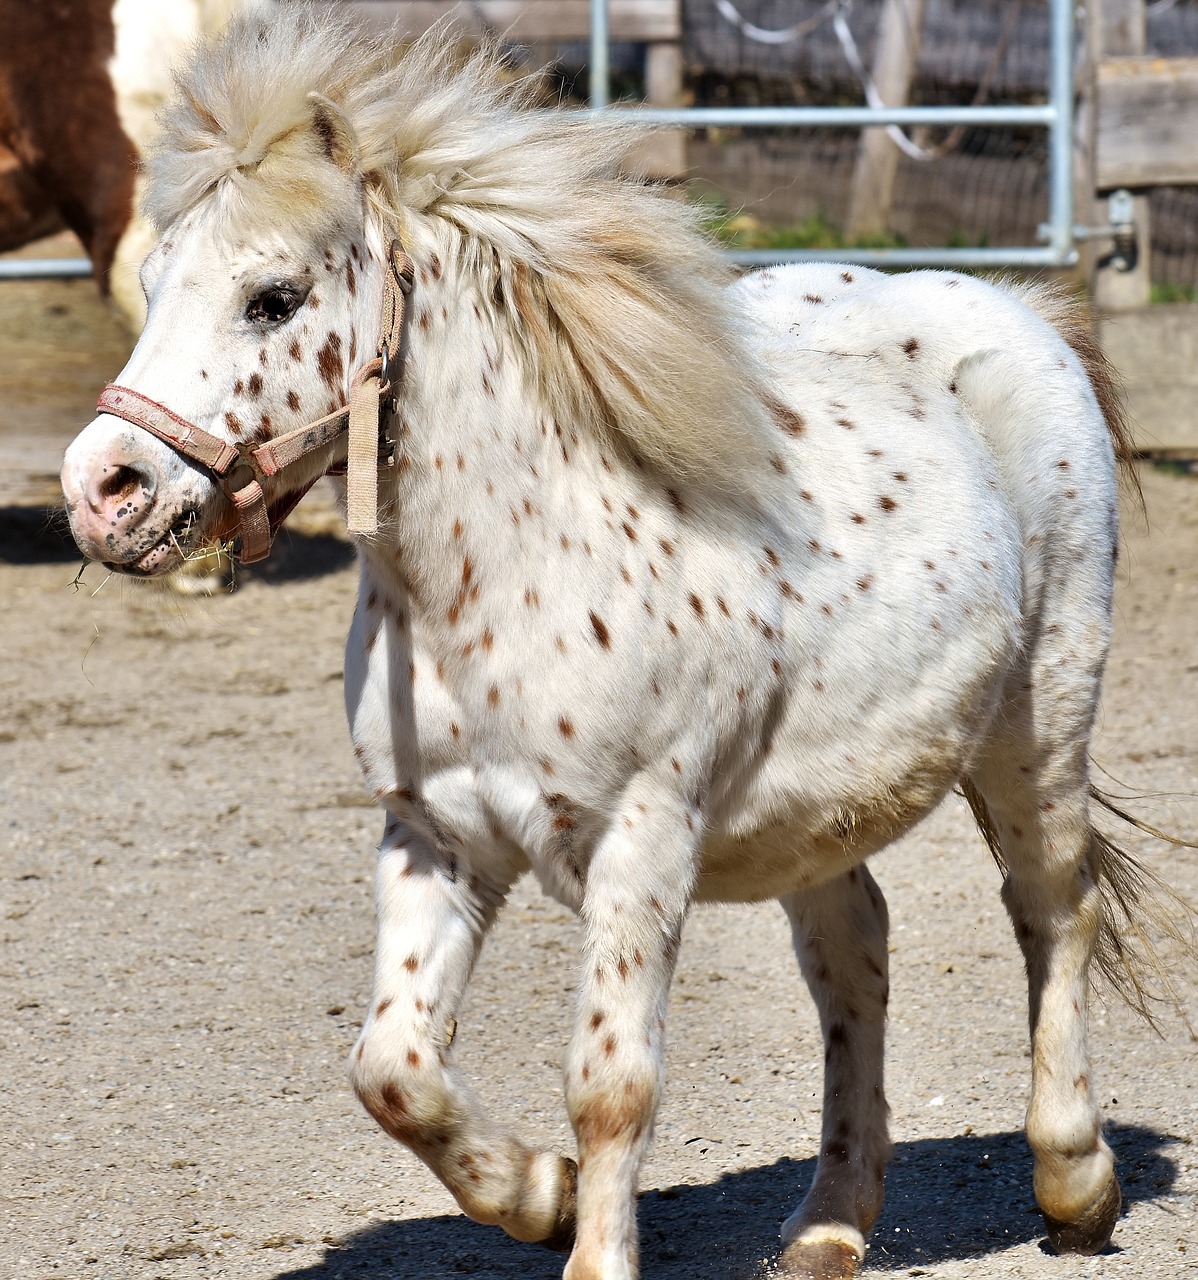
[(1147, 122), (1119, 30), (530, 21)]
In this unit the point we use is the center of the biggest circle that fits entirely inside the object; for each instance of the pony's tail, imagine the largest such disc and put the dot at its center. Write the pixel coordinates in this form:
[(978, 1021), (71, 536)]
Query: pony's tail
[(1069, 316), (1146, 924)]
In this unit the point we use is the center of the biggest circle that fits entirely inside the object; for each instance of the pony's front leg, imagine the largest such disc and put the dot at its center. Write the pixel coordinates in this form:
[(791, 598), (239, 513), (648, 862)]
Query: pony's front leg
[(433, 914), (840, 931), (637, 894)]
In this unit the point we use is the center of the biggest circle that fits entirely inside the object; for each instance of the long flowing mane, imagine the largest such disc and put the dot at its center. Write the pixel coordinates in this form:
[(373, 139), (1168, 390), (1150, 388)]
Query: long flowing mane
[(615, 291)]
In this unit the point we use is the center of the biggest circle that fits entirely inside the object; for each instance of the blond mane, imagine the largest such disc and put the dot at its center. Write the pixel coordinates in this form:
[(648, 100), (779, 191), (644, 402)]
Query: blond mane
[(610, 282)]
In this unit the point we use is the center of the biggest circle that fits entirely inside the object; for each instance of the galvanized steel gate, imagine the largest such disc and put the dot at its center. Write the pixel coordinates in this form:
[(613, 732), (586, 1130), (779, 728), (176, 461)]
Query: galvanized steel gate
[(1056, 116)]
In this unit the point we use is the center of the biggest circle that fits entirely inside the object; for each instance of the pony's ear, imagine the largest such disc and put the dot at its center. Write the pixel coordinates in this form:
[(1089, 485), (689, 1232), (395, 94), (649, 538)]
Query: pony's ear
[(334, 133)]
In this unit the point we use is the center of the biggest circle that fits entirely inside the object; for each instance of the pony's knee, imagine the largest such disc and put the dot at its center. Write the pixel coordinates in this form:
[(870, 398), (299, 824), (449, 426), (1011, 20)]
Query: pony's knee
[(616, 1111), (402, 1089)]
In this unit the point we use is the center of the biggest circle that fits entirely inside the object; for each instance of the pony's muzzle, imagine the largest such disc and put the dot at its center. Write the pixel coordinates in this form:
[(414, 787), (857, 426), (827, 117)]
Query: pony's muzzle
[(110, 497)]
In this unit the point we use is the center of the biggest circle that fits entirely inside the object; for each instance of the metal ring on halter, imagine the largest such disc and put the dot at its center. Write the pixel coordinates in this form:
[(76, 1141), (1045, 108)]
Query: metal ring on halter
[(236, 479)]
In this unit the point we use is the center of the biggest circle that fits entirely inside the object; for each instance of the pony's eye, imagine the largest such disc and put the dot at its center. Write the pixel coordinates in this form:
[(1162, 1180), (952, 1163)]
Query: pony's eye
[(273, 306)]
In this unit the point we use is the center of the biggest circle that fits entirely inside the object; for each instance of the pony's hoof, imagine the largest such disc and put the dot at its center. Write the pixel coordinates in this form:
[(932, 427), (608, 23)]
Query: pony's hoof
[(1092, 1231), (818, 1260), (561, 1238)]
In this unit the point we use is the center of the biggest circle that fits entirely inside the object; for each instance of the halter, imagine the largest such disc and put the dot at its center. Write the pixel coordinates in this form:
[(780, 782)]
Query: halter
[(239, 469)]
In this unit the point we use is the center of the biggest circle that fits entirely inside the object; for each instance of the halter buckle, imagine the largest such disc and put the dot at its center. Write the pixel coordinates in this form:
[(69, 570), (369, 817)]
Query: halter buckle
[(244, 471)]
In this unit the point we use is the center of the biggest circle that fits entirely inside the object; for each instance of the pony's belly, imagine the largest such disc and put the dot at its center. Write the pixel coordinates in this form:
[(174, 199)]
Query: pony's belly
[(816, 844)]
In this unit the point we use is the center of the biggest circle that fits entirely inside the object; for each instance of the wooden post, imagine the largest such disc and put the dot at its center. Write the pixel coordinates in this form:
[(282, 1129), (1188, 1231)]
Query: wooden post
[(1116, 29), (664, 153), (895, 60)]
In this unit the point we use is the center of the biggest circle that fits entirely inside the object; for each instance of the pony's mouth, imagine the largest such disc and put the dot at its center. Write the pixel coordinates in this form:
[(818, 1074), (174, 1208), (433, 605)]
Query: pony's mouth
[(167, 553)]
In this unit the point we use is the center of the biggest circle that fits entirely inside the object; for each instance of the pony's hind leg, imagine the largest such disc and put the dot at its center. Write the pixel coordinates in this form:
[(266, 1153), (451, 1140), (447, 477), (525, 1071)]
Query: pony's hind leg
[(840, 930), (1033, 806), (432, 917)]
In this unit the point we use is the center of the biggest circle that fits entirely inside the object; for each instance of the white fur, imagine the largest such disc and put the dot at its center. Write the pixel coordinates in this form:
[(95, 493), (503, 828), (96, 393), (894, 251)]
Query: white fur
[(578, 651)]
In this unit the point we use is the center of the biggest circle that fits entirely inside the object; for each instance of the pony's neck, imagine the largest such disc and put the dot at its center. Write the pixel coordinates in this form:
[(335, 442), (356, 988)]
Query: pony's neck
[(485, 468)]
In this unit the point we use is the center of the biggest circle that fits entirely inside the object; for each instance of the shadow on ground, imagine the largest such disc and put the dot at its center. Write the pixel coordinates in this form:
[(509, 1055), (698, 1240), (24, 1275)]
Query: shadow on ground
[(947, 1198), (36, 535), (296, 556), (41, 535)]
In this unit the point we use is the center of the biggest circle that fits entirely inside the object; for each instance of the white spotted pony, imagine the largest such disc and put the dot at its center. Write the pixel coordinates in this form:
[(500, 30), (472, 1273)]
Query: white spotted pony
[(682, 590)]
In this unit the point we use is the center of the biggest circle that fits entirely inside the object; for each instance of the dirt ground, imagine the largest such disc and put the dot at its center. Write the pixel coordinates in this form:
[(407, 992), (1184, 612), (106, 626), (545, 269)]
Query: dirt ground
[(187, 940)]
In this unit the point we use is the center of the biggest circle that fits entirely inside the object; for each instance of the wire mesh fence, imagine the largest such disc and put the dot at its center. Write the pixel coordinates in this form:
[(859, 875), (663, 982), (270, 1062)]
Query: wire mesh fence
[(975, 186)]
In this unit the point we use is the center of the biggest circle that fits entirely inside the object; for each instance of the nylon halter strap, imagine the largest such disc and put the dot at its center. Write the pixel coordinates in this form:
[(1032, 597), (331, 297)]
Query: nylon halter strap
[(241, 468)]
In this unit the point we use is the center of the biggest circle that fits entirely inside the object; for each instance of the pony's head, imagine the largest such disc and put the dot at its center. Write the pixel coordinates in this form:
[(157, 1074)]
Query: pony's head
[(263, 296), (292, 154)]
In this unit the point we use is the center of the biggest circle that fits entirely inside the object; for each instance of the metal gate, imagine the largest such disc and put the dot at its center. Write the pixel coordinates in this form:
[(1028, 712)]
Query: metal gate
[(1056, 116)]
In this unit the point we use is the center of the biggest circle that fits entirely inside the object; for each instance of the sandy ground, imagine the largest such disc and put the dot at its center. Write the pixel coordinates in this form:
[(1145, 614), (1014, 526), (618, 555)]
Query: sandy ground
[(187, 938)]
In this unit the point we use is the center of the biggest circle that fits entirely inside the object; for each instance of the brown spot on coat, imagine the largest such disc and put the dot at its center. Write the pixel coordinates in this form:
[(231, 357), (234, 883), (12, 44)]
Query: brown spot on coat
[(330, 362), (911, 347), (611, 1117), (601, 632), (789, 422)]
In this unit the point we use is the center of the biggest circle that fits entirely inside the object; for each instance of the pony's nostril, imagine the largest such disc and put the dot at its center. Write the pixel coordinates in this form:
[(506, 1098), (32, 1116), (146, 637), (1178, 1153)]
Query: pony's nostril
[(121, 483)]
